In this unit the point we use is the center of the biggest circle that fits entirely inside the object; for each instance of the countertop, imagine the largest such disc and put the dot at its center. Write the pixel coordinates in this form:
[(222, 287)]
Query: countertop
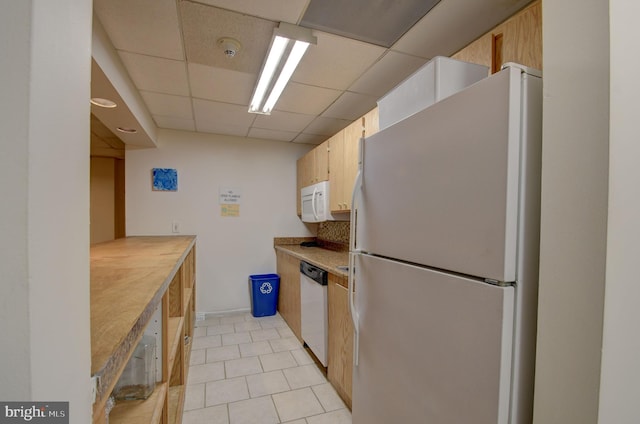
[(128, 279), (322, 257)]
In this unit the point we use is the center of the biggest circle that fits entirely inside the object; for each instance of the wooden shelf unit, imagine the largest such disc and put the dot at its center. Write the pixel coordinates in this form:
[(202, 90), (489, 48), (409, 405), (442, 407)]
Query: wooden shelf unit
[(130, 279)]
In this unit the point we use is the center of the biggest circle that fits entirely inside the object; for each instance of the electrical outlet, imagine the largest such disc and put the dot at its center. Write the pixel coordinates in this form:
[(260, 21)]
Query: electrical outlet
[(94, 388), (175, 227)]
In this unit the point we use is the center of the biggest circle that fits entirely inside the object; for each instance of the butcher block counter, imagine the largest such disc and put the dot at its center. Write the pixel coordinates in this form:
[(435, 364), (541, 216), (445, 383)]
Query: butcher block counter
[(130, 278)]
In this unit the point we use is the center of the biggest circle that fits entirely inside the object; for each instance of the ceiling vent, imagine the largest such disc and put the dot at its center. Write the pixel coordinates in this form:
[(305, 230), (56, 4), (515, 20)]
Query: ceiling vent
[(380, 22)]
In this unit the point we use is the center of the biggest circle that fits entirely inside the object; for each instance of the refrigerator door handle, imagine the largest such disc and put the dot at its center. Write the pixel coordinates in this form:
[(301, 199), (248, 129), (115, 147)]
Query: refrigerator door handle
[(357, 186), (352, 309), (357, 189)]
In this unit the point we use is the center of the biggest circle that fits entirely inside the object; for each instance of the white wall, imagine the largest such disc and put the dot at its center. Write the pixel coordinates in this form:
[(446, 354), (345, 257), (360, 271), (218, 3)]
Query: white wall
[(229, 249), (574, 210), (620, 389), (44, 168)]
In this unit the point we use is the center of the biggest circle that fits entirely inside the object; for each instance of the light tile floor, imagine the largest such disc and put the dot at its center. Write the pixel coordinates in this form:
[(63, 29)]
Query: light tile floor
[(247, 370)]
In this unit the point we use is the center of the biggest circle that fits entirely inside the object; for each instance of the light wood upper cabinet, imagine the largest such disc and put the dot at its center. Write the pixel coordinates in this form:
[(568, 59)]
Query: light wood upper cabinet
[(371, 122), (340, 343), (519, 39), (343, 159), (343, 165), (321, 163), (312, 168), (336, 172), (336, 161)]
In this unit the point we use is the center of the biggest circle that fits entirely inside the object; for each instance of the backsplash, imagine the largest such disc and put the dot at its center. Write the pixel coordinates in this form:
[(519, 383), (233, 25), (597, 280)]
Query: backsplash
[(334, 231)]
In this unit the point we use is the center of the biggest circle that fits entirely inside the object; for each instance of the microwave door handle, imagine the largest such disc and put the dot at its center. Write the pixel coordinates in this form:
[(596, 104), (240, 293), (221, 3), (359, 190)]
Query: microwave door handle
[(313, 203)]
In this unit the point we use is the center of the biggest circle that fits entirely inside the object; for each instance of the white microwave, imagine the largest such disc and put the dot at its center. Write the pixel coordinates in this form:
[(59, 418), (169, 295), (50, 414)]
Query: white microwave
[(315, 204)]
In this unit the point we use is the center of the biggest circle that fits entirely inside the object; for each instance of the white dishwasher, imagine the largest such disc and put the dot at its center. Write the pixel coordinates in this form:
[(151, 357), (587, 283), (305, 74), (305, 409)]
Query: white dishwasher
[(313, 299)]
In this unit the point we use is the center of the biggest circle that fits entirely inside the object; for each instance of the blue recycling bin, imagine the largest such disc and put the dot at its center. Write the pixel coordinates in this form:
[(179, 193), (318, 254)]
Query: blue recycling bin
[(264, 290)]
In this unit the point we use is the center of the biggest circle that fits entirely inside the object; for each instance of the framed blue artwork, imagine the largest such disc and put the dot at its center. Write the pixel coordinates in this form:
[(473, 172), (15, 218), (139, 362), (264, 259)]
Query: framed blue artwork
[(164, 179)]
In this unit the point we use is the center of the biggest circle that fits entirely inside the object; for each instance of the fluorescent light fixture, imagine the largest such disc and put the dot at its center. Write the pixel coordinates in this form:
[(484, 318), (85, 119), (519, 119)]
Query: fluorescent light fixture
[(289, 44)]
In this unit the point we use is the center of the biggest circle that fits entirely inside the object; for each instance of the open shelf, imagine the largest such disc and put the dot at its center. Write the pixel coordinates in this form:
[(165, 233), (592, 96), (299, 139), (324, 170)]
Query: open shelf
[(175, 337), (187, 300), (176, 403), (148, 411)]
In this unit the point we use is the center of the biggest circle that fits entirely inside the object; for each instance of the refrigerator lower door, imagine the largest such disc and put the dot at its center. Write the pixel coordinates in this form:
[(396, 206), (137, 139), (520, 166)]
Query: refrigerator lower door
[(433, 347)]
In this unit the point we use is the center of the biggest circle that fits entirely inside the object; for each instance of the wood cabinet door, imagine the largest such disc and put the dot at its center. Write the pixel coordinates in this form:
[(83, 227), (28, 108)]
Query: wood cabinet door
[(518, 39), (336, 171), (371, 122), (288, 268), (352, 135), (340, 349), (300, 170), (307, 168), (321, 163)]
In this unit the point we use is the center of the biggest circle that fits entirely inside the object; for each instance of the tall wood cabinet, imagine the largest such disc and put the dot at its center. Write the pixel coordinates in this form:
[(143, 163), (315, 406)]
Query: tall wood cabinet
[(340, 343), (288, 268), (131, 278), (518, 39)]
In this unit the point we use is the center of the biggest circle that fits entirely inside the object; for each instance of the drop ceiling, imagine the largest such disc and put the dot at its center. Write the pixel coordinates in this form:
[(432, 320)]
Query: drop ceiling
[(169, 51)]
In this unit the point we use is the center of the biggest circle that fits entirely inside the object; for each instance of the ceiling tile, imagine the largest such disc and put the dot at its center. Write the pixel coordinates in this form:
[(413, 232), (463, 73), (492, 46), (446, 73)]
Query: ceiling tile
[(217, 127), (388, 72), (276, 10), (335, 62), (350, 106), (174, 123), (207, 112), (326, 126), (272, 134), (168, 105), (156, 74), (307, 99), (203, 26), (222, 85), (142, 26), (285, 121), (303, 138)]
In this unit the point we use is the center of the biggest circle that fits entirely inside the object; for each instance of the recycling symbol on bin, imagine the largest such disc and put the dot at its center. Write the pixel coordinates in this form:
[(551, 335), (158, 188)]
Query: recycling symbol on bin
[(266, 288)]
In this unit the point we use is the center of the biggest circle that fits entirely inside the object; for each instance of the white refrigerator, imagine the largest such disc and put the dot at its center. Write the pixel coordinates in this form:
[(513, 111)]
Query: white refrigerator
[(444, 259)]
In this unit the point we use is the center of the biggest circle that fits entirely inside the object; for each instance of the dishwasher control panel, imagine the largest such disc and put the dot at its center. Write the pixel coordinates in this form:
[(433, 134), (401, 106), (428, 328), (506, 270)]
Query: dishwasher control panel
[(318, 275)]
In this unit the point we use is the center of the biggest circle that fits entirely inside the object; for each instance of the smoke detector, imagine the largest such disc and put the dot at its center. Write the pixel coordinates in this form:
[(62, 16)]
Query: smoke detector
[(230, 46)]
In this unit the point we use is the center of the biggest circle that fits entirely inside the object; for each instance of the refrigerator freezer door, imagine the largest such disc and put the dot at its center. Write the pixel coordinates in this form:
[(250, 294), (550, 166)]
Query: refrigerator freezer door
[(440, 188), (434, 347)]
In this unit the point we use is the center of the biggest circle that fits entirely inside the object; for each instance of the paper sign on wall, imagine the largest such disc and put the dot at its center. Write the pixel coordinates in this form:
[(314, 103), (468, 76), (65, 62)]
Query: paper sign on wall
[(229, 196), (229, 199), (230, 210)]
